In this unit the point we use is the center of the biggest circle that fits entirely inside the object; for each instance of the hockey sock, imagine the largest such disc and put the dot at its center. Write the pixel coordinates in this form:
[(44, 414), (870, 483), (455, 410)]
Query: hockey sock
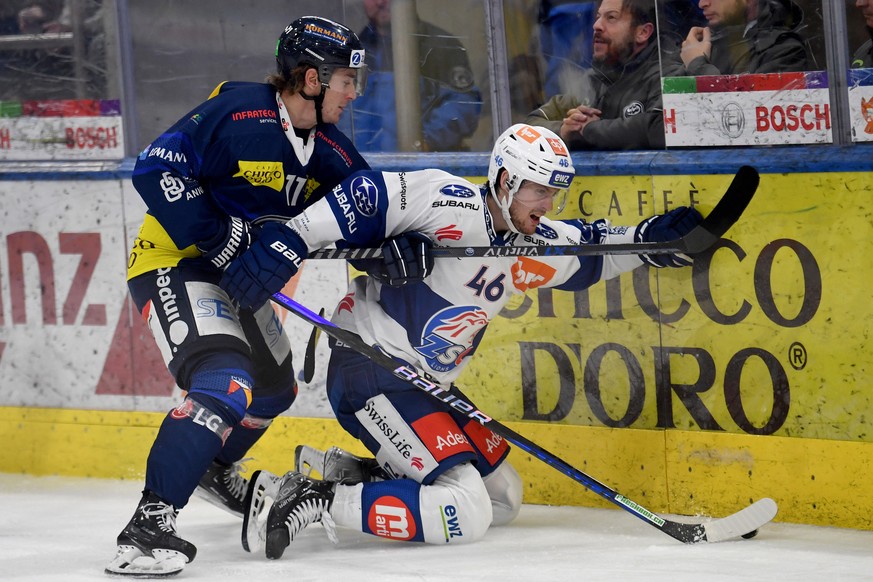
[(189, 439)]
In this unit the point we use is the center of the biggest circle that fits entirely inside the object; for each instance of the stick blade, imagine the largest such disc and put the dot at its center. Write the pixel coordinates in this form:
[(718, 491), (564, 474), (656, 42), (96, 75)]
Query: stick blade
[(742, 522), (728, 210)]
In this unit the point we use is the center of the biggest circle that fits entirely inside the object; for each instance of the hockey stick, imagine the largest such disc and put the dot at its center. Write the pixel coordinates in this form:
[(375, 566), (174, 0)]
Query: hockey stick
[(707, 233), (309, 356), (743, 523)]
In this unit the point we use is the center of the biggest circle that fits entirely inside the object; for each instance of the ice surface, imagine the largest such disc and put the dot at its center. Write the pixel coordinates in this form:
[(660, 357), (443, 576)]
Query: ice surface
[(59, 528)]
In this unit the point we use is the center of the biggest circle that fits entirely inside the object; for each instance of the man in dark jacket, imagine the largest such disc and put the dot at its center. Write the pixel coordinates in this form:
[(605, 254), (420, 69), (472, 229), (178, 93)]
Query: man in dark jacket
[(616, 104), (747, 36), (863, 58), (450, 101)]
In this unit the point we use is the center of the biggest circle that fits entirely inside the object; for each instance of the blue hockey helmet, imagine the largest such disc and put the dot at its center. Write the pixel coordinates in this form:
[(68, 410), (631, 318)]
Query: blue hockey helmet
[(322, 44)]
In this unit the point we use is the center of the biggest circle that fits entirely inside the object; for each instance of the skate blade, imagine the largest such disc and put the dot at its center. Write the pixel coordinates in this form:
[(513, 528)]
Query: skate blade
[(131, 562), (263, 488), (308, 460)]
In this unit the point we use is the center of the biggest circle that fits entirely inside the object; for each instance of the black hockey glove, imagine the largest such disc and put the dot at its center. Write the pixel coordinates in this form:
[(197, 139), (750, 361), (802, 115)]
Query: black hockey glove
[(406, 259), (267, 265), (665, 227), (232, 239)]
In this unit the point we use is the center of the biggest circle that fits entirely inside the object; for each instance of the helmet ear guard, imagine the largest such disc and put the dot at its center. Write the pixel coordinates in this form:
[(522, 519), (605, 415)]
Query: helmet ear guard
[(529, 153)]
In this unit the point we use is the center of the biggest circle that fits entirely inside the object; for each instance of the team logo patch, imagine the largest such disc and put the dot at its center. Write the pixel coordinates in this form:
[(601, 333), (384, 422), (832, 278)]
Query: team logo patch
[(634, 108), (546, 231), (347, 303), (441, 435), (457, 191), (389, 517), (560, 179), (528, 134), (450, 232), (366, 195), (450, 335), (529, 274), (557, 146), (269, 174)]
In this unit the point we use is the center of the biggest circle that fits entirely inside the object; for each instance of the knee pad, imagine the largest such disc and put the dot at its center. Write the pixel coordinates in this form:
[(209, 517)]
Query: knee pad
[(227, 391), (505, 489), (271, 401), (455, 508)]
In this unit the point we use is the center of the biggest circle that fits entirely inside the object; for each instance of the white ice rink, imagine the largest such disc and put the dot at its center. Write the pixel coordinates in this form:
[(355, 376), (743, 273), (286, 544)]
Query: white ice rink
[(64, 529)]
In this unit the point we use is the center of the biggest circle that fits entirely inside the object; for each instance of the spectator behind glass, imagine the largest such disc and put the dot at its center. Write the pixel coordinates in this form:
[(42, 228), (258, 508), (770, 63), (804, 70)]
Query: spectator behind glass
[(747, 36), (26, 16), (863, 58), (565, 41), (450, 100), (616, 104)]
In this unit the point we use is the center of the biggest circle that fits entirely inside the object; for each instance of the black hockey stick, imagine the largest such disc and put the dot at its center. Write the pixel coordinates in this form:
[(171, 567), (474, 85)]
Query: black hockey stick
[(707, 233), (743, 523), (309, 356)]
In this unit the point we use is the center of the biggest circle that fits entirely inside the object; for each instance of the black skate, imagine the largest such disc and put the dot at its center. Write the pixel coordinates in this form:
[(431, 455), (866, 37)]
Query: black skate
[(148, 546), (224, 487), (336, 464), (300, 501)]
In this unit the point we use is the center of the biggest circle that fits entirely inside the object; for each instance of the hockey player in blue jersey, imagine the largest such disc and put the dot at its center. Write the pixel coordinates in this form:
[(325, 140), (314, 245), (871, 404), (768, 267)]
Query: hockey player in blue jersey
[(252, 152), (438, 477)]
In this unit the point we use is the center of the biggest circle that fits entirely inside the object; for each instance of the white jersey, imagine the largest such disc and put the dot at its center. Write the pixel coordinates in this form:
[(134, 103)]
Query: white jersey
[(437, 325)]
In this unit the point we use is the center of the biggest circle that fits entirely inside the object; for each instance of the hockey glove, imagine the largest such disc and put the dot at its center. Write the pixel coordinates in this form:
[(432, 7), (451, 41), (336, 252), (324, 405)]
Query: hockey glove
[(232, 239), (406, 259), (265, 267), (665, 227)]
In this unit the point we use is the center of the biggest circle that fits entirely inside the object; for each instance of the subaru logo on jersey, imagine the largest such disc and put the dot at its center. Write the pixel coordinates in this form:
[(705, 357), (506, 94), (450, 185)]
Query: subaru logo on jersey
[(450, 335), (560, 179), (634, 108), (365, 195), (457, 191), (546, 231)]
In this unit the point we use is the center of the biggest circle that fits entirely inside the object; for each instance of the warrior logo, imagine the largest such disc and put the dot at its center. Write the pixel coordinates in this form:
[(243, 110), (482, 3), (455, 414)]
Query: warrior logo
[(450, 335)]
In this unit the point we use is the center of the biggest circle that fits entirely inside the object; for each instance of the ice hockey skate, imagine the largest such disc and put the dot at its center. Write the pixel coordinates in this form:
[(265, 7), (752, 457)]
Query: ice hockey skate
[(297, 501), (148, 546), (262, 491), (224, 487), (336, 464)]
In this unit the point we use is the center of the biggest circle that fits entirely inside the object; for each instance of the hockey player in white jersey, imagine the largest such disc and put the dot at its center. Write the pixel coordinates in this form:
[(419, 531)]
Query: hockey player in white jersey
[(438, 477)]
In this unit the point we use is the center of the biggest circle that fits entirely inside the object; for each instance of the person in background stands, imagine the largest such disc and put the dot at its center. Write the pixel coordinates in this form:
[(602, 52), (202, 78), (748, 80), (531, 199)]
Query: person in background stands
[(747, 36), (863, 57), (450, 101), (616, 104)]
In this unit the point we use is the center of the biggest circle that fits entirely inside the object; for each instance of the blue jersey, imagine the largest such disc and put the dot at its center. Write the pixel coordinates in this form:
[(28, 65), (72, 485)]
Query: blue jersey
[(231, 156)]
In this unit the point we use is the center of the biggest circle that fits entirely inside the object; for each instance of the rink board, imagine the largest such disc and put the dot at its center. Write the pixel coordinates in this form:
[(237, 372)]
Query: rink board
[(754, 362), (679, 472)]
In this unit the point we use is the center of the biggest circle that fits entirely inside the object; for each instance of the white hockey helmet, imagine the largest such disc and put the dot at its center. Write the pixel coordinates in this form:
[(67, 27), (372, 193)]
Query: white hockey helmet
[(534, 153)]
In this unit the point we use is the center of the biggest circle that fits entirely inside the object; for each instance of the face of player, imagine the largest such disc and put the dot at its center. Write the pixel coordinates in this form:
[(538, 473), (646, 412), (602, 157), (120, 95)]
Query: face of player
[(529, 205), (613, 34), (723, 12), (866, 7), (341, 91)]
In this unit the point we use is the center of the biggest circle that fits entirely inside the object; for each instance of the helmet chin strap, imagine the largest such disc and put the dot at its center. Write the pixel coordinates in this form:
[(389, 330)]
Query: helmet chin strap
[(318, 100), (504, 205)]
